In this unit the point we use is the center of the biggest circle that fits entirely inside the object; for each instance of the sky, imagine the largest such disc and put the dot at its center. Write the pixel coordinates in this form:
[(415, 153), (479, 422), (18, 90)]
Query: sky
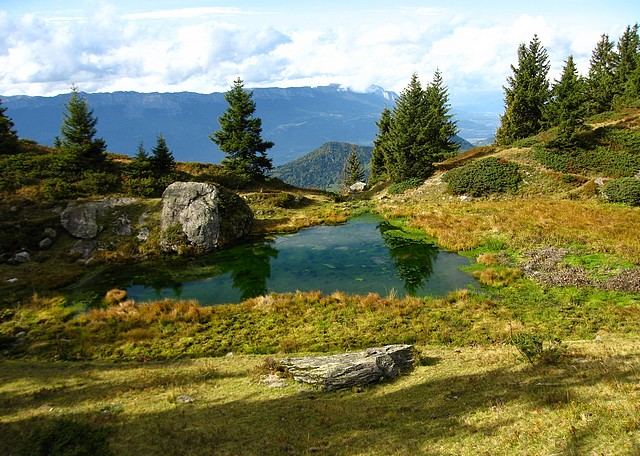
[(202, 46)]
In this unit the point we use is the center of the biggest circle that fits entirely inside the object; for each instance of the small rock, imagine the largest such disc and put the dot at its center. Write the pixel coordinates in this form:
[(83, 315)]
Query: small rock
[(357, 187), (229, 355), (50, 233), (122, 225), (143, 234), (598, 338), (22, 257), (12, 280), (83, 249), (273, 381), (184, 399), (599, 181), (464, 198), (45, 243)]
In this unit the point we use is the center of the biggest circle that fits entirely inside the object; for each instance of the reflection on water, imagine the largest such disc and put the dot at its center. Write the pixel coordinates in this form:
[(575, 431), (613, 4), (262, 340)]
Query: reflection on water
[(364, 255)]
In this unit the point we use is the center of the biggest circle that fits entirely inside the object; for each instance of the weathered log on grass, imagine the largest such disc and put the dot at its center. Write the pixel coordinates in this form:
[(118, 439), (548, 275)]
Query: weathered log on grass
[(351, 369)]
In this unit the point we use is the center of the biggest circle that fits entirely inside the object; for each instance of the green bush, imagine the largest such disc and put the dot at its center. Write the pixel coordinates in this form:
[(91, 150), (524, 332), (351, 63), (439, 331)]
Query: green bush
[(625, 190), (57, 189), (98, 183), (483, 177), (608, 151), (403, 186)]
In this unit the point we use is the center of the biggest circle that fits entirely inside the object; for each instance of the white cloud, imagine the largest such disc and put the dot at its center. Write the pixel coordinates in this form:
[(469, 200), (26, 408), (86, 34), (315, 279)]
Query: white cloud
[(204, 49)]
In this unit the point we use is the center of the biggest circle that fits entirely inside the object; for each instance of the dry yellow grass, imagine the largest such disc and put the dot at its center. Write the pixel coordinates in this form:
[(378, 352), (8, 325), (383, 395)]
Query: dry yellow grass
[(524, 223)]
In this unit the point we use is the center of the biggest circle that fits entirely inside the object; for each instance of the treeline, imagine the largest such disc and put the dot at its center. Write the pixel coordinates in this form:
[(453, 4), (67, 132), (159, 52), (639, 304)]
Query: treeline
[(417, 133), (78, 166), (532, 104)]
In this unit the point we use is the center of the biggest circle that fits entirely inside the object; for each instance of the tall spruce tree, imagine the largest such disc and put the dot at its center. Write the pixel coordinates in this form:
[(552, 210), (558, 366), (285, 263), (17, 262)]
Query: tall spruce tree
[(441, 127), (381, 147), (409, 149), (8, 135), (567, 108), (626, 71), (162, 161), (240, 135), (78, 131), (602, 77), (353, 171), (526, 94)]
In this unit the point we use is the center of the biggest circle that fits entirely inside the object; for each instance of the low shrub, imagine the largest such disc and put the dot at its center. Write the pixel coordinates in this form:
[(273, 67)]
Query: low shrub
[(625, 190), (403, 186), (531, 346), (483, 177)]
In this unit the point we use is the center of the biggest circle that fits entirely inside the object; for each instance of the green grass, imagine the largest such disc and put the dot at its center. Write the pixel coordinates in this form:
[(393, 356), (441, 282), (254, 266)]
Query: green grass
[(58, 329), (469, 401)]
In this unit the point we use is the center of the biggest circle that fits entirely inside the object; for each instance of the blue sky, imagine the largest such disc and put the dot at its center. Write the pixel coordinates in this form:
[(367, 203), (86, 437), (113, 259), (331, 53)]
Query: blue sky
[(201, 46)]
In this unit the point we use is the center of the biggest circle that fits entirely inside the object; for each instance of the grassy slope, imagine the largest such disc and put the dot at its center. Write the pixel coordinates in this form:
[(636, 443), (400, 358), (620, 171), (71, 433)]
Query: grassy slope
[(469, 401)]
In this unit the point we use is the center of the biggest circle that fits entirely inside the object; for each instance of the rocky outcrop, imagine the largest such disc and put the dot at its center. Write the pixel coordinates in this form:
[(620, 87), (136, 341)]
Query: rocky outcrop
[(80, 220), (202, 216), (351, 369)]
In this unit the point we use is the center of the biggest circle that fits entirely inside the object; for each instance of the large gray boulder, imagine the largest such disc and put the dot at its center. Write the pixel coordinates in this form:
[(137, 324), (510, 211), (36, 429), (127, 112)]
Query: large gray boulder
[(80, 220), (351, 369), (202, 216)]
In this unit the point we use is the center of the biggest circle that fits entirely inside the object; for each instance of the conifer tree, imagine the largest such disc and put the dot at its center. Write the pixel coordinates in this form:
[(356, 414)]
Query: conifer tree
[(441, 128), (381, 147), (141, 164), (602, 78), (8, 135), (353, 171), (78, 131), (240, 135), (567, 108), (526, 94), (162, 161), (408, 139), (628, 52)]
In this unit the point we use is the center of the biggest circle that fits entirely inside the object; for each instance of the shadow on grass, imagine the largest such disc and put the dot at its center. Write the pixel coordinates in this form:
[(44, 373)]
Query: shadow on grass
[(384, 419)]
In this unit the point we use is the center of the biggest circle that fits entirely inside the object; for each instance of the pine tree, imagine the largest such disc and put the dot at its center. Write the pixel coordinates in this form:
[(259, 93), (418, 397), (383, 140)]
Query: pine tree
[(141, 153), (162, 161), (441, 128), (240, 135), (381, 147), (567, 108), (602, 79), (526, 94), (628, 52), (8, 135), (141, 166), (78, 133), (408, 140), (353, 171)]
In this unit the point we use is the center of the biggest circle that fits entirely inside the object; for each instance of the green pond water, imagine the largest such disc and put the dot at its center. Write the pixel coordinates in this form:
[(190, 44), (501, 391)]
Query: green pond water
[(364, 255)]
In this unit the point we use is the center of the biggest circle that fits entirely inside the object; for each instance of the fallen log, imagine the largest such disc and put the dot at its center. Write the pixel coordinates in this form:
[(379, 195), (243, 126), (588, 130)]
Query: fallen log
[(351, 369)]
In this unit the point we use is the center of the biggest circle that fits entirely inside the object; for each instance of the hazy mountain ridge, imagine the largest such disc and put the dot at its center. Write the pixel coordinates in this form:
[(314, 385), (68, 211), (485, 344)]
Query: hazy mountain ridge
[(296, 119), (322, 167)]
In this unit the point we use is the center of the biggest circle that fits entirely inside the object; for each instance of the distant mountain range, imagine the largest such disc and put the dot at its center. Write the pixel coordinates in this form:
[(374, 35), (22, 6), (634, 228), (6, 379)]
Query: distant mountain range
[(297, 120), (322, 168)]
